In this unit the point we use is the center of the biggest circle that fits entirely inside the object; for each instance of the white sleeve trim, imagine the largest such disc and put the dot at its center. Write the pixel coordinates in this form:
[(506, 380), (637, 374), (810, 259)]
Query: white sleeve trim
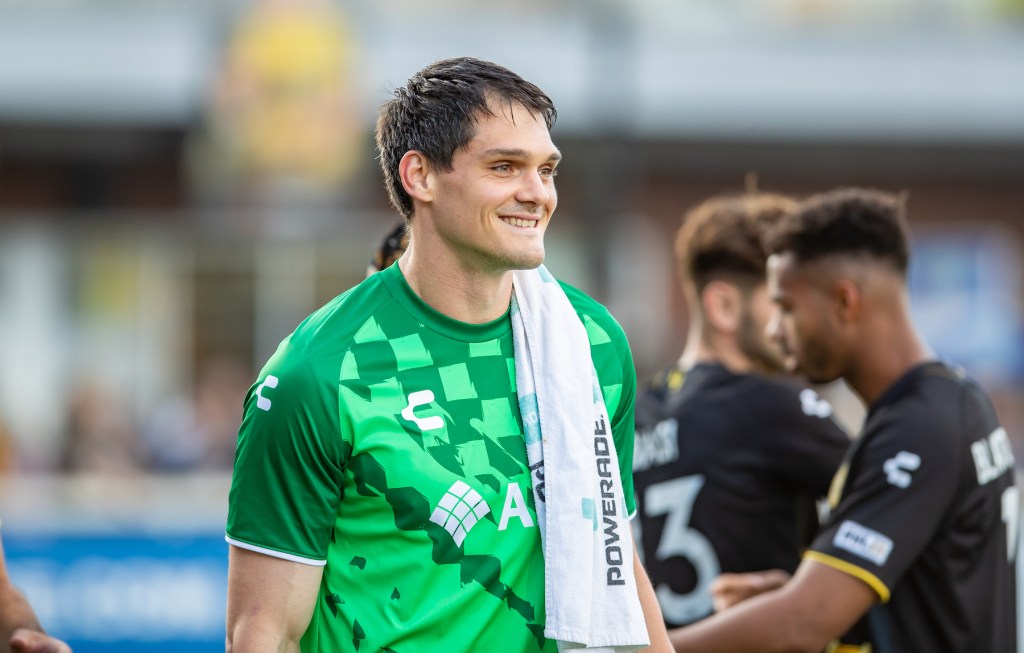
[(275, 554)]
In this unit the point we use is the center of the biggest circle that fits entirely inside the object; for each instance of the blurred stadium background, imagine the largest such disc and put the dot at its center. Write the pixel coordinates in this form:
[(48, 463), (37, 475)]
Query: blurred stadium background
[(182, 182)]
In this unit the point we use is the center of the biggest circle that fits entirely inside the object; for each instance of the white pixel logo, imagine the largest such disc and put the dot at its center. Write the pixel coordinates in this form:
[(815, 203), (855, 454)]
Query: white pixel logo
[(417, 399), (262, 402), (459, 510)]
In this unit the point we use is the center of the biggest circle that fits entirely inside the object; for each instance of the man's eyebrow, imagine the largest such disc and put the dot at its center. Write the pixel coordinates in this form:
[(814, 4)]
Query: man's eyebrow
[(517, 153)]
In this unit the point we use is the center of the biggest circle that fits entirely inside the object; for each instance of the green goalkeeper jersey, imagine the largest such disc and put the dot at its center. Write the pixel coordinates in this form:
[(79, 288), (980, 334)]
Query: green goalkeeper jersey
[(384, 441)]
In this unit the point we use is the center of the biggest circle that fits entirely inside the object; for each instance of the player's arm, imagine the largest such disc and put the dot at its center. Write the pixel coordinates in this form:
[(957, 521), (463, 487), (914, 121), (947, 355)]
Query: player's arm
[(270, 602), (818, 605), (20, 629), (649, 603), (728, 589)]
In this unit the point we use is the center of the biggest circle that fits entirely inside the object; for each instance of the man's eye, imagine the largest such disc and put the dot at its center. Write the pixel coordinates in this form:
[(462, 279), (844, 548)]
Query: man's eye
[(502, 167), (549, 172)]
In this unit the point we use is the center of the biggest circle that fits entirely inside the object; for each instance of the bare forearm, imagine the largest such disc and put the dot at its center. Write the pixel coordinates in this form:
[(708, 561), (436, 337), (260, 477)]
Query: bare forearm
[(15, 612), (252, 638), (652, 613), (763, 624)]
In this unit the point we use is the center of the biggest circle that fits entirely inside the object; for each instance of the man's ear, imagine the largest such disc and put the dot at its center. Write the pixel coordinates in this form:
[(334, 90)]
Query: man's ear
[(849, 300), (723, 306), (417, 179)]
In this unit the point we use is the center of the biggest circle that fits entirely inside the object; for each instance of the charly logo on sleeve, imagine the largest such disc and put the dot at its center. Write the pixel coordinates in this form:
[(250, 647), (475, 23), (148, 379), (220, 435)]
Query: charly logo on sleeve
[(897, 469), (813, 405), (262, 402)]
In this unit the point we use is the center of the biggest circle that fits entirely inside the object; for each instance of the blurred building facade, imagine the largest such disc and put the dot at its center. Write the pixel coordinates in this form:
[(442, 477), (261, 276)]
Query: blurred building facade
[(181, 183)]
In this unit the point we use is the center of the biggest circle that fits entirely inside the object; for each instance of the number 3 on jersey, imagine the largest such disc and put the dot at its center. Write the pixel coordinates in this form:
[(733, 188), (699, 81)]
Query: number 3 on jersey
[(675, 498)]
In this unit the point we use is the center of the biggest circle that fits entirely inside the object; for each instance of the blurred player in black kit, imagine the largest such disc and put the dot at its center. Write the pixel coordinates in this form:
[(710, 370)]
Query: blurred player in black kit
[(919, 551), (730, 457)]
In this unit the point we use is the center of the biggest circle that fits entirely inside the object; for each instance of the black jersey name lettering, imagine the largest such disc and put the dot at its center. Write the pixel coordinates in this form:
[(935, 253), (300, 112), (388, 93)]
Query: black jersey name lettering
[(656, 446), (612, 551), (992, 456)]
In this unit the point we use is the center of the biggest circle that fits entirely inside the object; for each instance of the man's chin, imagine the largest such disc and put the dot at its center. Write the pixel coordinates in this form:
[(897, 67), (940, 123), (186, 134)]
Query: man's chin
[(527, 262)]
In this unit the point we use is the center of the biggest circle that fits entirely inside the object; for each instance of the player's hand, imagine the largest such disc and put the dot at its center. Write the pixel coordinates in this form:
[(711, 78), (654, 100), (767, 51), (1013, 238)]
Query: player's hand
[(33, 641), (729, 589)]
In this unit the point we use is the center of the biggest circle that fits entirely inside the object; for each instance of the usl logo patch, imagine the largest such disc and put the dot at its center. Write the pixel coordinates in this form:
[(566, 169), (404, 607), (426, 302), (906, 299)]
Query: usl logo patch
[(863, 542)]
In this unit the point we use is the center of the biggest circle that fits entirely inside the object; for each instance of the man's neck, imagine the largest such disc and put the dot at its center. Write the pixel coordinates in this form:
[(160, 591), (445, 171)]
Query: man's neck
[(719, 350), (884, 358), (460, 293)]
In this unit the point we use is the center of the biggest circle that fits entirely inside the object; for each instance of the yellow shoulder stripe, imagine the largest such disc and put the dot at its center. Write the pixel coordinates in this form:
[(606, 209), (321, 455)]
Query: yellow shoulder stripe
[(853, 570)]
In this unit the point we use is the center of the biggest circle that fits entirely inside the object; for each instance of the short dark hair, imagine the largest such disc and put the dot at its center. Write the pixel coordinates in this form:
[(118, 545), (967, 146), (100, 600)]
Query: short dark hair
[(721, 238), (435, 113), (846, 221)]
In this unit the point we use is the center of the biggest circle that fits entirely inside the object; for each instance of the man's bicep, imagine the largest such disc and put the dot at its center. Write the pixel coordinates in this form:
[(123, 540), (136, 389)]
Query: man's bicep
[(270, 601), (830, 600), (288, 471)]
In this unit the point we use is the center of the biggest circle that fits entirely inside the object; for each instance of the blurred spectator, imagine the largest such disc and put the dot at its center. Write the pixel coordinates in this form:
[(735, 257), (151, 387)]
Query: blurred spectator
[(187, 433), (100, 436), (282, 119), (7, 448)]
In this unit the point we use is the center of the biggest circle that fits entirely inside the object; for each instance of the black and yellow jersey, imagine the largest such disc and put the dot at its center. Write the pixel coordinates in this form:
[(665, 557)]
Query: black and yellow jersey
[(926, 512), (727, 469)]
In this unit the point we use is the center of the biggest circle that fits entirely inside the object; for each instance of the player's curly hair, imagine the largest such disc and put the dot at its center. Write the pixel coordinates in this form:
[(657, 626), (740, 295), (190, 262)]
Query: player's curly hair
[(846, 221), (435, 113), (721, 239)]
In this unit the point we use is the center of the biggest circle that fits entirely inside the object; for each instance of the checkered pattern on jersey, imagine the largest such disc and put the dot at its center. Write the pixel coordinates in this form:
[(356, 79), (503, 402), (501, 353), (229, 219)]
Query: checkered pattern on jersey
[(605, 359), (393, 357)]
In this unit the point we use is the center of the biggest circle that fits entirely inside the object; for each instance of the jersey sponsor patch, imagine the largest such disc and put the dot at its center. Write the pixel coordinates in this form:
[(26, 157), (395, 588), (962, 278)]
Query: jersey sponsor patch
[(863, 542), (459, 510)]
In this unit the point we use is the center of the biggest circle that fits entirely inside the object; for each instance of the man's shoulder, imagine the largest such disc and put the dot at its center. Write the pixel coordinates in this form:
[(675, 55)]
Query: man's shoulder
[(760, 394), (933, 402), (601, 325), (341, 318)]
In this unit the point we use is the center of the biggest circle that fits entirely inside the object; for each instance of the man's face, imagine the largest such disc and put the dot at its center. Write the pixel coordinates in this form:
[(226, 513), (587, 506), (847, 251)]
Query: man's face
[(492, 208), (751, 336), (801, 321)]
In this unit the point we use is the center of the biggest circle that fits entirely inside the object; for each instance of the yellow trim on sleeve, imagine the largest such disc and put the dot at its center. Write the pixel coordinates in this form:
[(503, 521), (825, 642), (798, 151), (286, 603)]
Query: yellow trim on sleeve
[(853, 570), (848, 648)]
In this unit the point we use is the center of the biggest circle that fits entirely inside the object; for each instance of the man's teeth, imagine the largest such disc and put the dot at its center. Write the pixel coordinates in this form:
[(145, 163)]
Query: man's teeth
[(519, 222)]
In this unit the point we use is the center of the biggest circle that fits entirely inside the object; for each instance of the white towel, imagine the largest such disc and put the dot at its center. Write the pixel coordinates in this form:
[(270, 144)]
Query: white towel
[(590, 591)]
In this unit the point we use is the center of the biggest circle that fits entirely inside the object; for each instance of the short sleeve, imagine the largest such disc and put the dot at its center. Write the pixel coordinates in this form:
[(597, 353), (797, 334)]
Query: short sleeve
[(288, 472), (901, 483), (623, 428)]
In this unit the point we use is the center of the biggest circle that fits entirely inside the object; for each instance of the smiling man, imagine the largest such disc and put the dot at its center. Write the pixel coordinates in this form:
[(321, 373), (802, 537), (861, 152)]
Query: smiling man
[(383, 498)]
